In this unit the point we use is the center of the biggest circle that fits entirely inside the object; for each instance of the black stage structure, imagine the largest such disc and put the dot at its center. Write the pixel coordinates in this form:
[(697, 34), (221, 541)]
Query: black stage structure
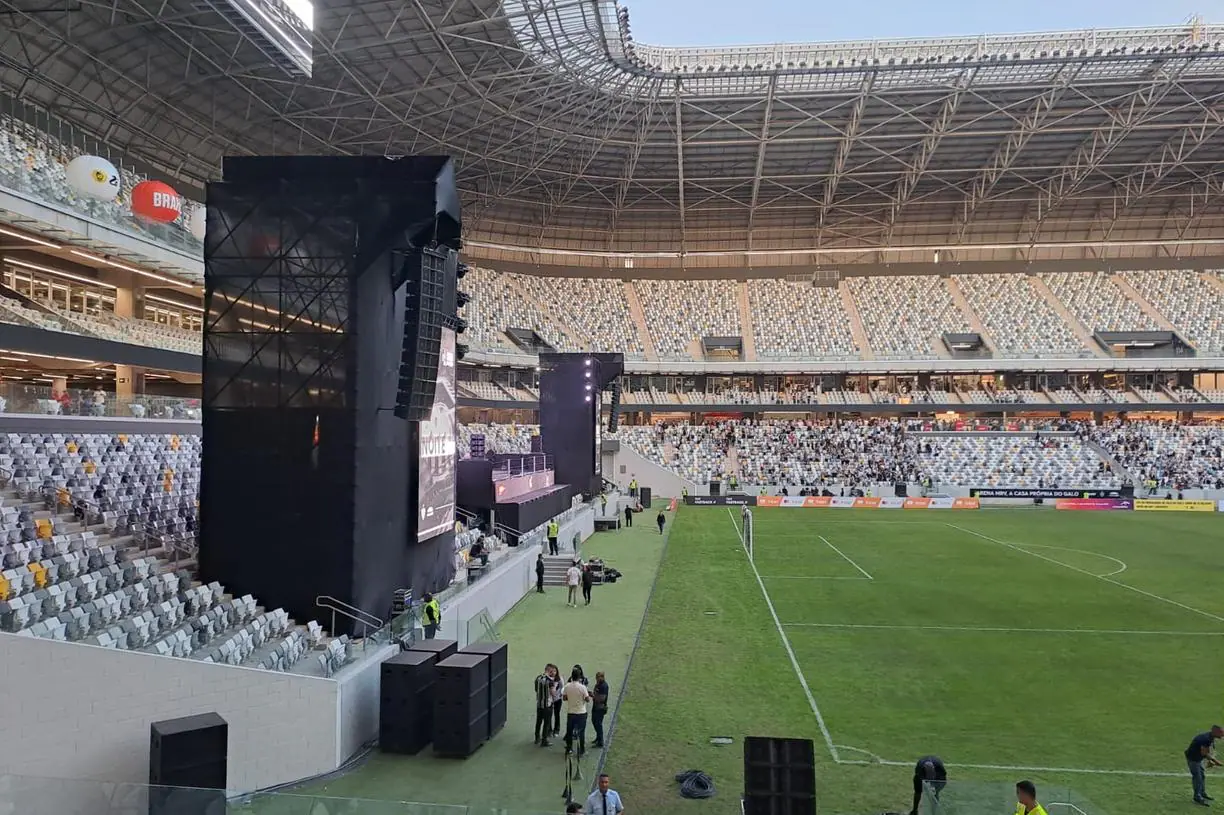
[(570, 413), (323, 276)]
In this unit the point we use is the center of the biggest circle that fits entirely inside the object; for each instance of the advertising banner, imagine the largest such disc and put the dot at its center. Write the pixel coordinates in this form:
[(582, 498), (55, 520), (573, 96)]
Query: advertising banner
[(866, 503), (821, 501), (793, 500), (1222, 505), (509, 488), (769, 501), (1094, 503), (1036, 492), (1147, 505), (917, 503), (892, 503), (720, 500), (841, 502), (966, 503)]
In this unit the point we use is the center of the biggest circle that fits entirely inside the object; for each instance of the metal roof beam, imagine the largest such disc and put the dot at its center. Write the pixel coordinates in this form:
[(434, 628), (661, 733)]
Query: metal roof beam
[(760, 159), (1093, 151), (917, 168), (680, 167), (1004, 157), (837, 168)]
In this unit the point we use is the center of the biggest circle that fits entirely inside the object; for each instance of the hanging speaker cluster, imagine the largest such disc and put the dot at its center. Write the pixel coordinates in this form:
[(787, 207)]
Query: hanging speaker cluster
[(426, 280), (614, 413)]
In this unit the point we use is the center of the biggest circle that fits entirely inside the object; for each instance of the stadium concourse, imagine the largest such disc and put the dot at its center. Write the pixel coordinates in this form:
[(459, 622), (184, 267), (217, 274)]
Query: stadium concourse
[(970, 272)]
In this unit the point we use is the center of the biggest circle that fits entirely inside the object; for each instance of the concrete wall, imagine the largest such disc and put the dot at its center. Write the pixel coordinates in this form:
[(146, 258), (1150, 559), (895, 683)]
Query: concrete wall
[(357, 709), (625, 464), (79, 711)]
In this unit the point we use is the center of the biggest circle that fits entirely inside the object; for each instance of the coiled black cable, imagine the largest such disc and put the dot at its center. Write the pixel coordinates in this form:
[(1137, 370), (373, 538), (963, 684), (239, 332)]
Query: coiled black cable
[(695, 784)]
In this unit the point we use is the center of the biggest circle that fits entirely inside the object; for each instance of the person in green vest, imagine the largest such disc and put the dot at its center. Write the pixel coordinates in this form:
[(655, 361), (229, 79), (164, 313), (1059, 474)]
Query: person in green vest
[(734, 482), (763, 491), (633, 487), (554, 530), (684, 492), (432, 617)]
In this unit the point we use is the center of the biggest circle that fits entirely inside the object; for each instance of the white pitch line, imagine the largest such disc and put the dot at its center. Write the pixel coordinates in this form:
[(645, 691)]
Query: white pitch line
[(992, 629), (809, 577), (1111, 581), (790, 652), (1044, 770), (1120, 563), (848, 560)]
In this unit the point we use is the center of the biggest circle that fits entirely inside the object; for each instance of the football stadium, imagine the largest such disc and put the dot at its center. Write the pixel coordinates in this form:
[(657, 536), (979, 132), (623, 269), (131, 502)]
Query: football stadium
[(448, 407)]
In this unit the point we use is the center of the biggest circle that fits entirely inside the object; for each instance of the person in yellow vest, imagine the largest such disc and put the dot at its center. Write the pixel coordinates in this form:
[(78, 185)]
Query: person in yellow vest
[(763, 491), (71, 446), (734, 482), (90, 467), (684, 492), (432, 616), (554, 531), (633, 487), (168, 480), (1026, 797)]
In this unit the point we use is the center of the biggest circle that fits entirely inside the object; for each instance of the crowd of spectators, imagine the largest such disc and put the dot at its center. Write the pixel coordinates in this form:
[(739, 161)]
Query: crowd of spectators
[(1166, 455)]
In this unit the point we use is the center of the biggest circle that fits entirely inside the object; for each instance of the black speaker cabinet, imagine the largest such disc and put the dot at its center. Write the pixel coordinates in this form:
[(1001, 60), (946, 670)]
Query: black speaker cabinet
[(779, 776), (461, 705), (498, 654), (406, 702), (644, 495), (189, 754), (715, 487), (443, 648)]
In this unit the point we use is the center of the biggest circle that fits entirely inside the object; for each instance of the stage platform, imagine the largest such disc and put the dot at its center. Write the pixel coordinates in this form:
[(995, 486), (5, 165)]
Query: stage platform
[(527, 511)]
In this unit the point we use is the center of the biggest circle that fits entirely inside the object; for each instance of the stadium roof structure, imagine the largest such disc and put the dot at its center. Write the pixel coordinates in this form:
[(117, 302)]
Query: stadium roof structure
[(578, 146)]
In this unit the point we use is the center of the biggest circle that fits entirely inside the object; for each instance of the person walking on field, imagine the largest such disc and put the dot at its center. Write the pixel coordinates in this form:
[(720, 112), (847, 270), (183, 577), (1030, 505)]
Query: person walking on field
[(661, 521), (588, 580), (1199, 755), (573, 576), (628, 516)]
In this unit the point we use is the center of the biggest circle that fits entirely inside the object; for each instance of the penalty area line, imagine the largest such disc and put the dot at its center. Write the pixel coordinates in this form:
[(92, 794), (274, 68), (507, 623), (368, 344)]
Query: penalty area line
[(1110, 580), (848, 560), (790, 652)]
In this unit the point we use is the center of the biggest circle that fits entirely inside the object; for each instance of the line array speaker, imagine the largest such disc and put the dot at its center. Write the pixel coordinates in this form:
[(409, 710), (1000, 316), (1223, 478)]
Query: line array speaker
[(423, 316)]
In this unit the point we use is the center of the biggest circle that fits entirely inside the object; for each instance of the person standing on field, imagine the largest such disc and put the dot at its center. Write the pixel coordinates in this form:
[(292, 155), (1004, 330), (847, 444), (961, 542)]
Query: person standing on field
[(573, 576), (661, 521), (1199, 755)]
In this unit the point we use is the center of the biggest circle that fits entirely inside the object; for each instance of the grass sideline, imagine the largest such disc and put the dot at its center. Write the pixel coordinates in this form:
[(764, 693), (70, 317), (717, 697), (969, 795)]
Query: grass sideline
[(1045, 640)]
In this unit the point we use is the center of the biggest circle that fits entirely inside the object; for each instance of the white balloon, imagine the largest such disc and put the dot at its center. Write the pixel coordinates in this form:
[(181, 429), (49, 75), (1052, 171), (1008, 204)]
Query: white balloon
[(196, 223), (93, 176)]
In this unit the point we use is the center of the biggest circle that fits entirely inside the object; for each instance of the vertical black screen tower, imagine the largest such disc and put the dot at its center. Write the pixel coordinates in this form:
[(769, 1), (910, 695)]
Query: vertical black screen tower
[(309, 479), (570, 386)]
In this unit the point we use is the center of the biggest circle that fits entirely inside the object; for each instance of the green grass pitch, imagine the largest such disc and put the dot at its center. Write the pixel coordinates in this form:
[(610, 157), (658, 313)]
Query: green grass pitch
[(1081, 650)]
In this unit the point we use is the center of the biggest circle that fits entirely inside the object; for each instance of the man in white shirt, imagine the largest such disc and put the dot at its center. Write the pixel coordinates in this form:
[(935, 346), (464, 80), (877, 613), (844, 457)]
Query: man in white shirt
[(573, 576), (604, 800), (576, 697)]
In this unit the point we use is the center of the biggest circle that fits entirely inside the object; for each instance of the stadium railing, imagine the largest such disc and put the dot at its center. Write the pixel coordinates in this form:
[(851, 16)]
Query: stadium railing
[(56, 796), (974, 798), (36, 400)]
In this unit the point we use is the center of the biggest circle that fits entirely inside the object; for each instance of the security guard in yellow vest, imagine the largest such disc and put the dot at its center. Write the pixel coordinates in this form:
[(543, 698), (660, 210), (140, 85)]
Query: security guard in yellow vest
[(684, 492), (633, 487), (554, 530), (734, 483), (432, 616)]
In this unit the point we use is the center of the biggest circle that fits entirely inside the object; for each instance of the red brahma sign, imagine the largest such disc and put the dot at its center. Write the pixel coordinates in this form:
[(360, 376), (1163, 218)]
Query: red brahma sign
[(156, 201)]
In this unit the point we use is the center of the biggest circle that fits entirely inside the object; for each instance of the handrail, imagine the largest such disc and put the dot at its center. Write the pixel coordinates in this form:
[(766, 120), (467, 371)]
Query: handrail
[(367, 620)]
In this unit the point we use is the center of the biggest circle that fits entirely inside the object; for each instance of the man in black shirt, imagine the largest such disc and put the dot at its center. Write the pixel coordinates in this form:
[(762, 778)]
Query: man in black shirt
[(599, 708), (540, 573), (1202, 752), (661, 521), (929, 770)]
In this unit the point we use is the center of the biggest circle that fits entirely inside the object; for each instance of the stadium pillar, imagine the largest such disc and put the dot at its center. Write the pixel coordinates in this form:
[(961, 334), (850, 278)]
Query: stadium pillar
[(129, 380)]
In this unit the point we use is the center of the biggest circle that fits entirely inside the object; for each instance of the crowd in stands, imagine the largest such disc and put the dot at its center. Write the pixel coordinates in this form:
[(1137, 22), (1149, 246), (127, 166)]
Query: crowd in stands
[(1172, 456), (856, 453)]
